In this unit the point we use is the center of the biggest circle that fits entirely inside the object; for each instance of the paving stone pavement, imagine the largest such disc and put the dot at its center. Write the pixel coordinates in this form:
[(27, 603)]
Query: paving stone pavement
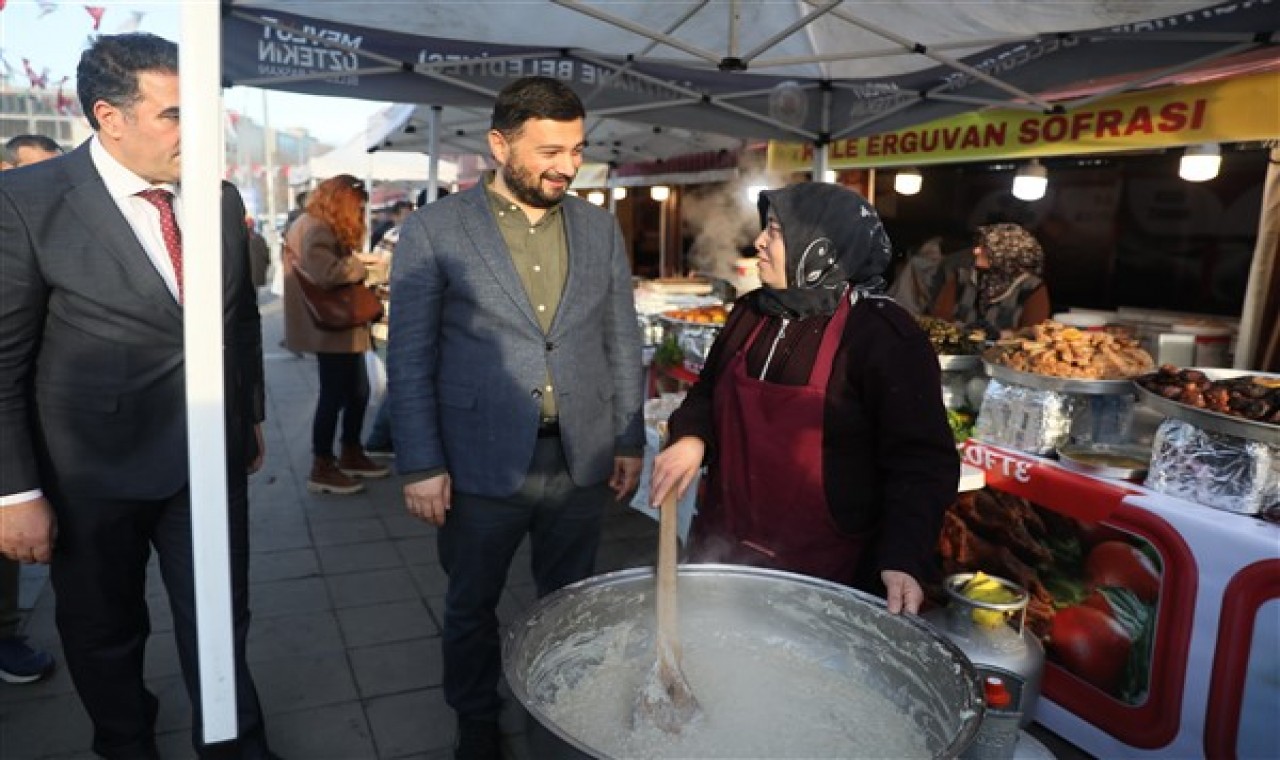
[(347, 597)]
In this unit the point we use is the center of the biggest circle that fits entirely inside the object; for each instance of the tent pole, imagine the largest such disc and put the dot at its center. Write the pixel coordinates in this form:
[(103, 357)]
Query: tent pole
[(1260, 271), (200, 90), (433, 167), (269, 158), (820, 162), (664, 266), (368, 205)]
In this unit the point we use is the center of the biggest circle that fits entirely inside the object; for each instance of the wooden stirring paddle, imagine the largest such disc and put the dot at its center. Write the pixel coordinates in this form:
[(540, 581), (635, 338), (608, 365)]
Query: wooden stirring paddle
[(666, 700)]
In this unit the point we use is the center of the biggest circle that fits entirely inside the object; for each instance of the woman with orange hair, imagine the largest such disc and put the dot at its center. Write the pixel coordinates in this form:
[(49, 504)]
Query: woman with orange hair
[(321, 246)]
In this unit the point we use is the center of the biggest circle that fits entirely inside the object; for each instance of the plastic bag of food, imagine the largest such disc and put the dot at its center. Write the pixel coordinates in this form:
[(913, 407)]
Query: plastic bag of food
[(1025, 419), (1217, 470)]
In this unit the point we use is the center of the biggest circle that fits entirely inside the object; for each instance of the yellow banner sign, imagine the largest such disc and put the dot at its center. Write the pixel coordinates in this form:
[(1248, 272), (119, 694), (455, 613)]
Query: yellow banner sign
[(1233, 110)]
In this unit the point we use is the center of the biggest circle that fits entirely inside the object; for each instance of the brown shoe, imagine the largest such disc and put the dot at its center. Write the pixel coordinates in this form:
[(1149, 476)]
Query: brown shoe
[(353, 462), (327, 477)]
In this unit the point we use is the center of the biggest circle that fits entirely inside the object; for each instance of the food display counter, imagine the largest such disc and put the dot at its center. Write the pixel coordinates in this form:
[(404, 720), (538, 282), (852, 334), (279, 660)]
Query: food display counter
[(1160, 617)]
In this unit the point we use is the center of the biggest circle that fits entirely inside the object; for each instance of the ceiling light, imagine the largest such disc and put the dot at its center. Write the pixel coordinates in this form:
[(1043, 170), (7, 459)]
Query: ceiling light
[(1030, 182), (619, 193), (659, 193), (908, 181), (596, 197), (1200, 162)]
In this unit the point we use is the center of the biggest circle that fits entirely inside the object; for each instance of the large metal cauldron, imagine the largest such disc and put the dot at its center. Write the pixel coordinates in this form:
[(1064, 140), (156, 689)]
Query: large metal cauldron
[(927, 678)]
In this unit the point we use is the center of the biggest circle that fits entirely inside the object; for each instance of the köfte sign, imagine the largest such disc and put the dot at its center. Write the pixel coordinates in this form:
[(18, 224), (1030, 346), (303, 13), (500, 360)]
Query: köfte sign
[(1045, 483), (1246, 108)]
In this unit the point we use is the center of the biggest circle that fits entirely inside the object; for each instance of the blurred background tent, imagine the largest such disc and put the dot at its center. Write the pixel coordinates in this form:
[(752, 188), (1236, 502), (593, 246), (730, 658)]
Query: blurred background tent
[(386, 166)]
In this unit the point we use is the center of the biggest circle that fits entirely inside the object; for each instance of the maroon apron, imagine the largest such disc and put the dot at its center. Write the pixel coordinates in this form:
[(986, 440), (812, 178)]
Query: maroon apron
[(766, 502)]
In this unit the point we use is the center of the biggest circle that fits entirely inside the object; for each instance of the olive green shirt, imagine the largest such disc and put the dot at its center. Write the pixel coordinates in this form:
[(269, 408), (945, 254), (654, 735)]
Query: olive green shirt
[(540, 253)]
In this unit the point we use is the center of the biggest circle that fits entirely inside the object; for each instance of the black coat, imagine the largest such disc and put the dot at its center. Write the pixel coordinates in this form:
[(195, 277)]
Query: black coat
[(889, 459)]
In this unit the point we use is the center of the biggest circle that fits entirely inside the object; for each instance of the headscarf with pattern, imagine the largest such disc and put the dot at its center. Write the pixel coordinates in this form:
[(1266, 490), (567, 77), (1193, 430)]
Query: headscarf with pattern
[(833, 239), (1012, 251)]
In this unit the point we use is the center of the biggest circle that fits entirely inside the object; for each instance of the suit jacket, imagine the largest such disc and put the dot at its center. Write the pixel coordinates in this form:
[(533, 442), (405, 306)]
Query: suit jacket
[(92, 394), (467, 359)]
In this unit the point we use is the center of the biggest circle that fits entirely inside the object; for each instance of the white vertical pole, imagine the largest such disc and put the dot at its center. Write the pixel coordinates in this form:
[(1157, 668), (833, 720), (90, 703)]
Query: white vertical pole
[(269, 160), (665, 267), (202, 139), (433, 163), (1253, 314)]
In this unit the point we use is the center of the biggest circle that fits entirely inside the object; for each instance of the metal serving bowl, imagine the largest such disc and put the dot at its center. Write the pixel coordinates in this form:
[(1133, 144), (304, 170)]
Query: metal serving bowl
[(1117, 461), (928, 679)]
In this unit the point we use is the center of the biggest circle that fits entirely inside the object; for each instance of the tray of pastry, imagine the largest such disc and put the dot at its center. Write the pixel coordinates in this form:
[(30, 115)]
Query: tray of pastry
[(1266, 403), (1081, 385)]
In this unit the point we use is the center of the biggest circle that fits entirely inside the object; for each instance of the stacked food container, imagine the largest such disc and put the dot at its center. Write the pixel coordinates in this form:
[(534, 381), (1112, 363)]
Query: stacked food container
[(1220, 442)]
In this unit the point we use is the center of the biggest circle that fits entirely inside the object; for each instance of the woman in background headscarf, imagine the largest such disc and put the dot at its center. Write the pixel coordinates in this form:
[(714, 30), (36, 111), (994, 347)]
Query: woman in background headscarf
[(1005, 290), (818, 412)]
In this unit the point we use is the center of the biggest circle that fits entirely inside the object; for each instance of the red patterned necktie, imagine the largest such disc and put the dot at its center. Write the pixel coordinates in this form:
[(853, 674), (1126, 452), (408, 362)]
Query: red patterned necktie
[(163, 201)]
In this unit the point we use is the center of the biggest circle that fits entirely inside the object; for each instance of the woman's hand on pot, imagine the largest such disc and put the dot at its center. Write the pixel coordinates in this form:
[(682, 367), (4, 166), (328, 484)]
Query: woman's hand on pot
[(676, 467), (902, 592)]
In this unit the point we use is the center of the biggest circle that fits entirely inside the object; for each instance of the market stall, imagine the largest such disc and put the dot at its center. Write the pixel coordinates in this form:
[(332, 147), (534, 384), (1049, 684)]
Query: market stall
[(1114, 235), (1149, 556), (1140, 522), (1200, 677)]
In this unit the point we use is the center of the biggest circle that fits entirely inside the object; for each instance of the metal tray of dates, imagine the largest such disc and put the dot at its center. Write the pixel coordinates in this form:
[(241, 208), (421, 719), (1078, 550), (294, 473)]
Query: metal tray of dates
[(1205, 419), (1050, 383)]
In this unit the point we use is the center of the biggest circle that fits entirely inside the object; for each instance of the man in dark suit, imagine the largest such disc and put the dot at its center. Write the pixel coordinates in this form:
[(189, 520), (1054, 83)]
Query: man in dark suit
[(515, 381), (92, 393)]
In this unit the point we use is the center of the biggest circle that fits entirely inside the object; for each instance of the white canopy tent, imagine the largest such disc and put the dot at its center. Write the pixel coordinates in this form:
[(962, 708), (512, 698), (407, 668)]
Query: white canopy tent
[(387, 166), (812, 70)]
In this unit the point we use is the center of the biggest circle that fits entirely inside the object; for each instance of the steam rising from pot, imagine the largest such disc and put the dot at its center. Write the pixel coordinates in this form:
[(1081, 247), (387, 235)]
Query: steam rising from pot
[(722, 225)]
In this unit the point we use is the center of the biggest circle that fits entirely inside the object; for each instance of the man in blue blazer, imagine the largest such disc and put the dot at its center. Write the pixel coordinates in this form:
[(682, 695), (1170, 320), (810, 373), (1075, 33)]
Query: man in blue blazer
[(93, 426), (514, 367)]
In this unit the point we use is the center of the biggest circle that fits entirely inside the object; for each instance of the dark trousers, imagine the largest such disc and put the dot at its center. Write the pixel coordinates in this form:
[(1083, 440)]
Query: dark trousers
[(479, 538), (10, 615), (99, 574), (344, 388)]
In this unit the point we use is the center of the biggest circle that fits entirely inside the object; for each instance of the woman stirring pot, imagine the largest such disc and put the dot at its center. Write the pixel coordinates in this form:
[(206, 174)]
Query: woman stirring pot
[(818, 412)]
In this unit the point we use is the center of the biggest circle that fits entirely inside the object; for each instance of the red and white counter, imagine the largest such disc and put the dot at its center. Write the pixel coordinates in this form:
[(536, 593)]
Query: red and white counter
[(1214, 671)]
